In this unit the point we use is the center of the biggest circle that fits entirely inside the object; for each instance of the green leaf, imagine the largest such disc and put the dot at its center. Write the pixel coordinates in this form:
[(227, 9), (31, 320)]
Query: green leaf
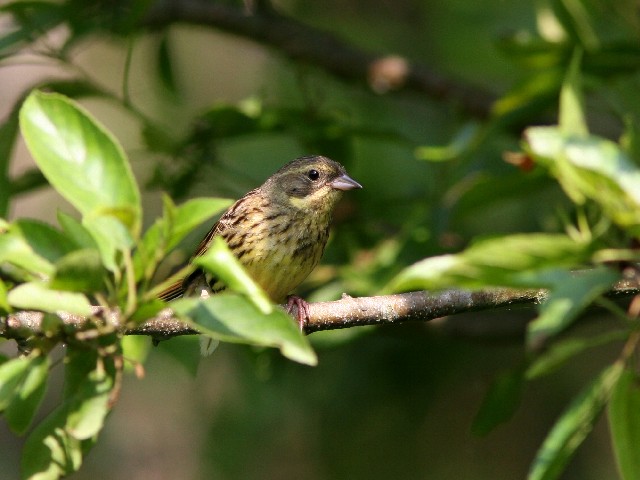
[(576, 22), (8, 134), (50, 452), (191, 214), (79, 365), (29, 20), (165, 65), (185, 350), (461, 142), (135, 349), (4, 302), (506, 261), (36, 296), (630, 140), (529, 98), (79, 271), (177, 222), (232, 318), (56, 446), (590, 168), (147, 310), (15, 250), (559, 353), (500, 403), (90, 406), (624, 422), (568, 297), (219, 261), (27, 182), (28, 395), (571, 116), (86, 165), (573, 426), (226, 121), (75, 231), (11, 374), (45, 240)]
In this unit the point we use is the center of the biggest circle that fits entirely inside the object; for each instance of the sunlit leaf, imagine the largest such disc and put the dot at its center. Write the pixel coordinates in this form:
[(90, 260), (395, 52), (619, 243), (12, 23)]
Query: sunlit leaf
[(497, 261), (36, 296), (624, 422), (177, 222), (28, 395), (12, 373), (220, 262), (135, 349), (15, 250), (148, 309), (57, 445), (590, 168), (49, 451), (86, 165), (90, 406), (80, 158), (4, 302), (573, 426), (232, 318), (191, 214)]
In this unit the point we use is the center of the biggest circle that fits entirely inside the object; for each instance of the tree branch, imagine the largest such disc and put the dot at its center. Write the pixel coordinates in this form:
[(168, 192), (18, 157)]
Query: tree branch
[(310, 45), (345, 313)]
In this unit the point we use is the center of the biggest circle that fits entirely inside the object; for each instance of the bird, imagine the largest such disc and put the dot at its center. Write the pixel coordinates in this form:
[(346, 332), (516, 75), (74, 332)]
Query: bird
[(277, 231)]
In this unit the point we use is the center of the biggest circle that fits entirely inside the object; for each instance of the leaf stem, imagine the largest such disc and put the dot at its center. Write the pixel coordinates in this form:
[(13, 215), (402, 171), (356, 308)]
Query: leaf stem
[(132, 294)]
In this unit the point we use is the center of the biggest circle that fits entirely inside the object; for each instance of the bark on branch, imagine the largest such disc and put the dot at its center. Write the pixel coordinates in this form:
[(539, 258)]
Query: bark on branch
[(313, 46), (344, 313)]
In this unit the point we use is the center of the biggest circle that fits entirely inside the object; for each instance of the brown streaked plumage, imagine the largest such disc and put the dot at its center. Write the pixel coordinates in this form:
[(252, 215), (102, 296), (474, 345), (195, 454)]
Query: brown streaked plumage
[(279, 230)]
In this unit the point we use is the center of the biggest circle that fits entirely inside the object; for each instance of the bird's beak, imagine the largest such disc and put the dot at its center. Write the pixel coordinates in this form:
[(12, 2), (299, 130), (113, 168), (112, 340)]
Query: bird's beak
[(345, 182)]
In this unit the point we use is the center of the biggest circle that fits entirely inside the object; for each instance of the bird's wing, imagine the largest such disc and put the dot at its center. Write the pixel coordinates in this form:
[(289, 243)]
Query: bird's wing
[(229, 218), (173, 291)]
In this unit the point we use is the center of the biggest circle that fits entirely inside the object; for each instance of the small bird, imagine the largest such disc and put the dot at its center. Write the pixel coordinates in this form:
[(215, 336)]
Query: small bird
[(277, 231)]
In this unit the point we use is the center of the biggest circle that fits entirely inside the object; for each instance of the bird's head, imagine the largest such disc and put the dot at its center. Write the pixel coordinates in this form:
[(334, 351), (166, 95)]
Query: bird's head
[(311, 183)]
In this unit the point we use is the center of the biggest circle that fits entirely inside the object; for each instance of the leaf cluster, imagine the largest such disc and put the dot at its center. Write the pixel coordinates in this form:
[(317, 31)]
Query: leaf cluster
[(104, 260), (577, 268)]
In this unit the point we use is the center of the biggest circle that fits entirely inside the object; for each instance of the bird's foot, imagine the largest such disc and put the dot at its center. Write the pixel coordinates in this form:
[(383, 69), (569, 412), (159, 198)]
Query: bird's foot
[(299, 309)]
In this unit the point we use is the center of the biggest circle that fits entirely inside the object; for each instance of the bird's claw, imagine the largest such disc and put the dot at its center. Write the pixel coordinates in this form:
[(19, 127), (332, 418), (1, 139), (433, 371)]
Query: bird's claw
[(299, 309)]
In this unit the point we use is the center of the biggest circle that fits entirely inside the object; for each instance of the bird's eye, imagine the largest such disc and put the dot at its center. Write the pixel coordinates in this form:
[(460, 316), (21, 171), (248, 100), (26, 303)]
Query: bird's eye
[(313, 175)]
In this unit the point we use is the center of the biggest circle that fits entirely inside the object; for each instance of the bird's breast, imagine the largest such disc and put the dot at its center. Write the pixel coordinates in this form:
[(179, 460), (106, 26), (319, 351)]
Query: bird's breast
[(281, 250)]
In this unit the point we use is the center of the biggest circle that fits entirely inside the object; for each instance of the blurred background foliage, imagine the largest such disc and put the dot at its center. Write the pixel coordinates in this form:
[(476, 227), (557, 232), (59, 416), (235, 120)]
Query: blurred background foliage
[(211, 111)]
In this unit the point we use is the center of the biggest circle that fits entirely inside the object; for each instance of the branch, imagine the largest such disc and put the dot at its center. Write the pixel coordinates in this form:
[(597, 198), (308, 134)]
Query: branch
[(345, 313), (313, 46)]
